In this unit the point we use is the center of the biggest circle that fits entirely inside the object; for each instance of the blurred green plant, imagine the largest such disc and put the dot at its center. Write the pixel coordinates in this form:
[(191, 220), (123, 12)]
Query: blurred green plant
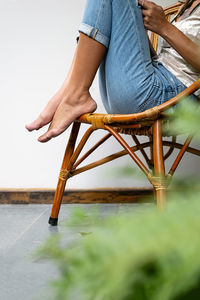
[(185, 117), (133, 256), (126, 171), (146, 256)]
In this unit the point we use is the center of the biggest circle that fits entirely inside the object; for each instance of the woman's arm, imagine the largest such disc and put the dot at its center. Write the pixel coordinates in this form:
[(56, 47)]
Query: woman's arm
[(154, 20)]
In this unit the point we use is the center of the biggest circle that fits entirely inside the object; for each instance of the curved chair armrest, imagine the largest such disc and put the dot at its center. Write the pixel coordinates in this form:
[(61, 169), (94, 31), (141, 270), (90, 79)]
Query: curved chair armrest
[(170, 8), (150, 114), (187, 92)]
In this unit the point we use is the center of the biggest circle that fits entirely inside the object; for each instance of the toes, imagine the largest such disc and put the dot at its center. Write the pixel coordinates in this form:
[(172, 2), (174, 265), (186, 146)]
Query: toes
[(48, 135), (44, 138), (38, 123), (34, 125), (29, 127)]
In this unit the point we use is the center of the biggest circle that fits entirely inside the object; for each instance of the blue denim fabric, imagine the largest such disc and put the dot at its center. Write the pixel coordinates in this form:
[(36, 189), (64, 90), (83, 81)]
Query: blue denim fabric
[(129, 80)]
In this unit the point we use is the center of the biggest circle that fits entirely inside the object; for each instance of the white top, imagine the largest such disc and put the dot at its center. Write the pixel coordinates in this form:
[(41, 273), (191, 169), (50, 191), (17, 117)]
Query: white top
[(175, 63)]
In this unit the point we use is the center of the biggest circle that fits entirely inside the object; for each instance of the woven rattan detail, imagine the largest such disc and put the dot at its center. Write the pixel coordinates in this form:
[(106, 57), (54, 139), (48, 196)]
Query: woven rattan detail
[(64, 174), (147, 130), (107, 119), (135, 131), (160, 183), (96, 121)]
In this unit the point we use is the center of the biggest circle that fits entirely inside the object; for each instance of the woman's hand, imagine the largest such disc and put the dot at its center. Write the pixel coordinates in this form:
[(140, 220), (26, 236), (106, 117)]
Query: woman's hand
[(153, 17), (154, 20)]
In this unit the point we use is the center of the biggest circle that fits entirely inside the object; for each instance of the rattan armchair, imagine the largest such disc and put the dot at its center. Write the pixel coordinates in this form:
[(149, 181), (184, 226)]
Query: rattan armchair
[(148, 123)]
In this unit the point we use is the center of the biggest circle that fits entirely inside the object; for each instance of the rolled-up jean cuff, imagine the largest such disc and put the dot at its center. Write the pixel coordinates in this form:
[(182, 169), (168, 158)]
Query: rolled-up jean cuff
[(94, 34)]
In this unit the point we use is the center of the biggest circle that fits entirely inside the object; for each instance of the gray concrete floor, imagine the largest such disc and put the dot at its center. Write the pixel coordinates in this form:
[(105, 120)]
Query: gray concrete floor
[(23, 229)]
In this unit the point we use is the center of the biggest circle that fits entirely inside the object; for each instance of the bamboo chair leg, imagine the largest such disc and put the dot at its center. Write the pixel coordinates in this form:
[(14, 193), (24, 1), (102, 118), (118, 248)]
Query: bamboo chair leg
[(152, 164), (151, 153), (159, 166), (53, 220)]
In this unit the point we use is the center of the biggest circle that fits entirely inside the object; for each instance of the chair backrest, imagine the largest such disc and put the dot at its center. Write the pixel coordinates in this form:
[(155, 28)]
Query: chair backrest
[(170, 12)]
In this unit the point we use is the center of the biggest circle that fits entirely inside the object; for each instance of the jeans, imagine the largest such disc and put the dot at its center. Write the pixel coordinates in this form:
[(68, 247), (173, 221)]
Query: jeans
[(129, 80)]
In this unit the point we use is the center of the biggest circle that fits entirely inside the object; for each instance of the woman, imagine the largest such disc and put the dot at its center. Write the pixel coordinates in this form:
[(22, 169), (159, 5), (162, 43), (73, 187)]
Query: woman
[(113, 36)]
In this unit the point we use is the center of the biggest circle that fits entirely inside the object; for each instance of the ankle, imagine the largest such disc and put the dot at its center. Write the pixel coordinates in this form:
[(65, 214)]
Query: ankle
[(76, 95)]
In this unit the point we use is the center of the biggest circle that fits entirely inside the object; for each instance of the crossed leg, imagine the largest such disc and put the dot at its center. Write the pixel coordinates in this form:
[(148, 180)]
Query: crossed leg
[(127, 72)]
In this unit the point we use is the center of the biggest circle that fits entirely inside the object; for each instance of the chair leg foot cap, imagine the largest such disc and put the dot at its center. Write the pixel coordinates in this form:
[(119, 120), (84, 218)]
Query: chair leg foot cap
[(53, 221)]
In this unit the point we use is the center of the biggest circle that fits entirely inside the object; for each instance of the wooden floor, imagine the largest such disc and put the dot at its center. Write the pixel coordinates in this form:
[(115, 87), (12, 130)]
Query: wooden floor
[(45, 196)]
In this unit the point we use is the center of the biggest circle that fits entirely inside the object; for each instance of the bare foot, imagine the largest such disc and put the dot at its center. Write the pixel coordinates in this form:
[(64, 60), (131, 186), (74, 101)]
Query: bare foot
[(47, 114), (70, 108)]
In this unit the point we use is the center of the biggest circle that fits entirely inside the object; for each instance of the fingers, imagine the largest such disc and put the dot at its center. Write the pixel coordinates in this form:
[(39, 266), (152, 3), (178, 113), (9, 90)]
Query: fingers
[(153, 17), (151, 10), (141, 2), (145, 4)]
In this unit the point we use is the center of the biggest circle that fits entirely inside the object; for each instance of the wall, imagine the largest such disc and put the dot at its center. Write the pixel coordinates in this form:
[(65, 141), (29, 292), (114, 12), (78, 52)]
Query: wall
[(37, 45)]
